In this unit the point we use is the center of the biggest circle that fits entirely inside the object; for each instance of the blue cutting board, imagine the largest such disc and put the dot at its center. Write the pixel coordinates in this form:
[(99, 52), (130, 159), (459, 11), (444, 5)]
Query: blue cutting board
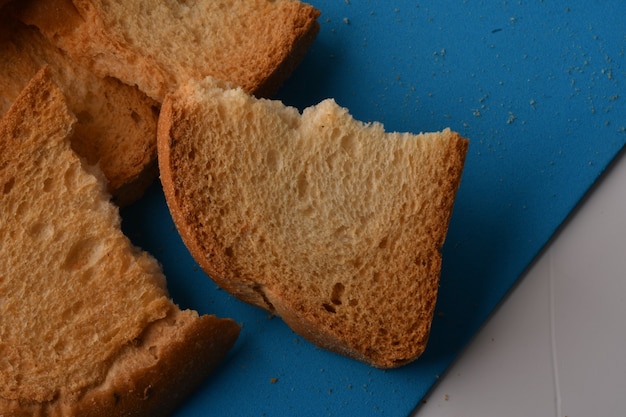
[(537, 87)]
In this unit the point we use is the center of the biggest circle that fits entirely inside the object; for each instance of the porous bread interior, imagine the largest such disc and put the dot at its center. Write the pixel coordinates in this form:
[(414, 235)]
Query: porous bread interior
[(73, 290), (332, 224), (116, 126), (158, 45)]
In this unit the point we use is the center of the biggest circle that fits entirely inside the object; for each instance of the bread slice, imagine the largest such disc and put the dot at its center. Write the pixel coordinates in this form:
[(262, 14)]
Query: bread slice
[(332, 224), (157, 45), (116, 126), (87, 327)]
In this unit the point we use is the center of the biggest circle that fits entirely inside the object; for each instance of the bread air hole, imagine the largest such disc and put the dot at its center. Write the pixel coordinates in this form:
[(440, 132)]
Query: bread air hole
[(40, 230), (349, 144), (337, 294), (72, 311), (335, 298), (85, 117), (83, 254), (329, 308), (72, 177), (273, 159), (48, 185), (8, 186), (59, 346), (340, 232), (135, 116), (303, 185)]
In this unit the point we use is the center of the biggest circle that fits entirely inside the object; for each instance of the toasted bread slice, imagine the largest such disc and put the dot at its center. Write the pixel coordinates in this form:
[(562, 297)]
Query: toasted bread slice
[(116, 126), (332, 224), (157, 45), (87, 327)]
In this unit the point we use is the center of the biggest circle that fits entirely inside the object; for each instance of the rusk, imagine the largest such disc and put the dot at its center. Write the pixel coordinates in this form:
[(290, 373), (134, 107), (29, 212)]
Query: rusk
[(330, 223), (159, 44), (116, 126), (87, 328)]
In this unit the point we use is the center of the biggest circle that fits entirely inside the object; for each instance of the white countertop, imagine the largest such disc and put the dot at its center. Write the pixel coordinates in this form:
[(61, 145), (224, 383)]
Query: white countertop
[(556, 346)]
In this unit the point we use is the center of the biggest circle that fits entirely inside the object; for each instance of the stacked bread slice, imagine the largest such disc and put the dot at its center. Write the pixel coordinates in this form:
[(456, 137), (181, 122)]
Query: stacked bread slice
[(116, 126), (87, 327), (334, 225), (159, 44)]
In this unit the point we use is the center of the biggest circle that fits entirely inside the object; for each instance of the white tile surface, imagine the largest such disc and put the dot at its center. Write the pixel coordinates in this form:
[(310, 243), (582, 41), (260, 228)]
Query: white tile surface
[(557, 345)]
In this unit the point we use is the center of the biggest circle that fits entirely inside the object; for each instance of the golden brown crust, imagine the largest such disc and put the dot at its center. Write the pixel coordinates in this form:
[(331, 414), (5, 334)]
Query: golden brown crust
[(152, 376), (155, 390), (174, 125), (171, 127), (306, 29), (167, 120)]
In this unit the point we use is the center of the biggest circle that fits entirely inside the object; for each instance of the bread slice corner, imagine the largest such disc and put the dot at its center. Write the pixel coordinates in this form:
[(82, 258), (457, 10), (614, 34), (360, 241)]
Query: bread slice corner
[(333, 224)]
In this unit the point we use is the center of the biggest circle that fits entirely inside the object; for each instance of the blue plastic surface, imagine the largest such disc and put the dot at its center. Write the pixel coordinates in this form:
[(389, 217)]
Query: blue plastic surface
[(537, 87)]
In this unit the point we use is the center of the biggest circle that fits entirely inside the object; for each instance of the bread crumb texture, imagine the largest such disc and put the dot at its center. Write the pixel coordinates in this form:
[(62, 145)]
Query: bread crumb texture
[(73, 290), (330, 223)]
